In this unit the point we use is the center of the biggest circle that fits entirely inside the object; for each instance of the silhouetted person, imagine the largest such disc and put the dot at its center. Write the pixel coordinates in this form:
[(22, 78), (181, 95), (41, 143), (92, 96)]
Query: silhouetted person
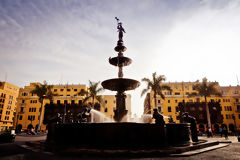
[(225, 132), (220, 131), (170, 120), (84, 115), (193, 126), (158, 117)]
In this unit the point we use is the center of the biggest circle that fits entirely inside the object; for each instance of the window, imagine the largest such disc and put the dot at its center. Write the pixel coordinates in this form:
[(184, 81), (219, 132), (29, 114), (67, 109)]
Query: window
[(159, 101), (223, 100), (177, 93), (75, 90), (169, 109), (187, 93), (212, 100), (23, 101), (55, 90), (177, 109), (105, 110), (226, 116), (68, 95), (6, 117), (105, 101), (68, 90), (65, 101), (225, 108), (160, 109), (238, 116), (22, 109), (73, 102), (178, 117), (61, 90), (168, 101), (186, 87), (237, 100), (31, 118), (58, 101), (20, 117), (238, 107), (175, 101), (0, 111), (7, 112), (24, 94)]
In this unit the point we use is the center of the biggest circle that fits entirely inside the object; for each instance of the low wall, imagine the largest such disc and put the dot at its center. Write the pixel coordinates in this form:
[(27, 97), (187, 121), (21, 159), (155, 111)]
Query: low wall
[(118, 135)]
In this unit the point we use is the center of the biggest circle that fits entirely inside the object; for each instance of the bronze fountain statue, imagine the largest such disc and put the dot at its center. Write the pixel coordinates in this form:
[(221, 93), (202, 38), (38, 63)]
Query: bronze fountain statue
[(120, 84)]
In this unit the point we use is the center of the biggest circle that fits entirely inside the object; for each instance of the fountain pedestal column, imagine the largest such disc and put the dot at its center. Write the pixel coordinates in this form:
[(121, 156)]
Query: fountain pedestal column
[(120, 110)]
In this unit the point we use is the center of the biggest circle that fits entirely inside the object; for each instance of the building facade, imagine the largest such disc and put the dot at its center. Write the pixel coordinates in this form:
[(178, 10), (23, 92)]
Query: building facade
[(229, 103), (28, 106), (8, 101)]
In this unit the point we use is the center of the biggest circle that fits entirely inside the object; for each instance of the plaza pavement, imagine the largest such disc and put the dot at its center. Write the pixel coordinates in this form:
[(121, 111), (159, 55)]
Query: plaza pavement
[(18, 150)]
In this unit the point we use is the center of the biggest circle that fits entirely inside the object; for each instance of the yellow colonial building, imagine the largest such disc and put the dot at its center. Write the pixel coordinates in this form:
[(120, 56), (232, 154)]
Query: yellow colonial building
[(8, 100), (229, 102), (28, 106)]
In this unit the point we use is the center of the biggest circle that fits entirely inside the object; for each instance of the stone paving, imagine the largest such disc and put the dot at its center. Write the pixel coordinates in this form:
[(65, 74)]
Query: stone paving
[(231, 152)]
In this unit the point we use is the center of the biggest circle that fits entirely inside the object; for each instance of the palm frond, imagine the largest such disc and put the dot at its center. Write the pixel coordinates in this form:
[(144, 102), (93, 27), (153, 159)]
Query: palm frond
[(144, 91)]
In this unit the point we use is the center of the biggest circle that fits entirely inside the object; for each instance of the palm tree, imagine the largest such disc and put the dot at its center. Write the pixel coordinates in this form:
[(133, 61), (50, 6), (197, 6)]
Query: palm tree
[(43, 91), (206, 89), (92, 92), (156, 86)]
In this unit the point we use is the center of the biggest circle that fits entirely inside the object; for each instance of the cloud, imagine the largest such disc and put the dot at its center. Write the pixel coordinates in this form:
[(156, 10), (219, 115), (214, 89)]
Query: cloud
[(46, 40)]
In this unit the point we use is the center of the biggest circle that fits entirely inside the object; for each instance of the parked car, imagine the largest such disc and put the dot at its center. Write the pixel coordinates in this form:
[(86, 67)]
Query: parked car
[(7, 137)]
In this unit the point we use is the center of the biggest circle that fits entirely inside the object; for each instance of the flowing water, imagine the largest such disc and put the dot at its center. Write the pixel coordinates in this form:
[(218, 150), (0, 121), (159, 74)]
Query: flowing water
[(97, 116)]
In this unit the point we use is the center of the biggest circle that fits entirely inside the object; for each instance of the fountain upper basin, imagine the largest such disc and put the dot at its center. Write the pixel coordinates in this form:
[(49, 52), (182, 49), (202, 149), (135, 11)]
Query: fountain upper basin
[(120, 84), (120, 61)]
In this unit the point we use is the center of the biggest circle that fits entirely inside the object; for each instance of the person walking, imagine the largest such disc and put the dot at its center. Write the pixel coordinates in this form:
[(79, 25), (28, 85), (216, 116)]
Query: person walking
[(220, 131), (225, 132)]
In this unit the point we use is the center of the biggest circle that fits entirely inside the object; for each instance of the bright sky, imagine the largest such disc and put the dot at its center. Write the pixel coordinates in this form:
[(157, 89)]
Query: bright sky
[(70, 41)]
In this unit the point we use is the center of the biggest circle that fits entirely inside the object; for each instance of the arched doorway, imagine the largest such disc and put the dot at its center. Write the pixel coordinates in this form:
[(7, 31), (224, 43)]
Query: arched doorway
[(30, 126), (231, 128), (216, 128), (201, 128), (18, 128), (36, 127), (224, 125)]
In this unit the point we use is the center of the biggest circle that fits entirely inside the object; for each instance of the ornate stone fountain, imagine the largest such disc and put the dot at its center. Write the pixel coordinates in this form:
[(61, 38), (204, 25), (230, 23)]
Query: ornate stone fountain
[(114, 136), (120, 84)]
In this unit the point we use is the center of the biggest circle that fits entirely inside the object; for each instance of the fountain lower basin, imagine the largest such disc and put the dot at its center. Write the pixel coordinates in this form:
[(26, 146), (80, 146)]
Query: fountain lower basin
[(124, 135), (120, 84)]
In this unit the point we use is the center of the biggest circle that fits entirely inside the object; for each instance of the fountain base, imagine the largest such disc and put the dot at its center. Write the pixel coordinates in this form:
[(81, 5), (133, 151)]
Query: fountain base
[(117, 135)]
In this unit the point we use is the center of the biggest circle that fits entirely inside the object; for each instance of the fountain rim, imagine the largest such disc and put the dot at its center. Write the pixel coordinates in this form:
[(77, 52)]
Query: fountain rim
[(118, 82)]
